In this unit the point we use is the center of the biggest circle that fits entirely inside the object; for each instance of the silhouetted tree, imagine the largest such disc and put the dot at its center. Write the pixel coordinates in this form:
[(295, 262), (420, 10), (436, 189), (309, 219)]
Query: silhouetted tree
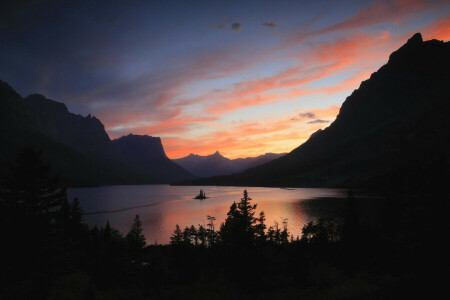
[(30, 201), (187, 236), (194, 235), (240, 228), (211, 232), (31, 188), (202, 235), (177, 236), (135, 238), (323, 231), (260, 228), (284, 234)]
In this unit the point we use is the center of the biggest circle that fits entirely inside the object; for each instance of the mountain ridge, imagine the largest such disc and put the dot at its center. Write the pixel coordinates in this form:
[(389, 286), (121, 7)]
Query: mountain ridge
[(216, 164)]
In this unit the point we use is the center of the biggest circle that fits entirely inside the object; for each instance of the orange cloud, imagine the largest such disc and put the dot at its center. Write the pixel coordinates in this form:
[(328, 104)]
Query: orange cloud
[(323, 59), (440, 29), (378, 12)]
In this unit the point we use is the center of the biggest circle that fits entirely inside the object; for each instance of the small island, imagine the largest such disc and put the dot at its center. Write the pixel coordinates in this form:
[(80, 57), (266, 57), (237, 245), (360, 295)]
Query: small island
[(202, 195)]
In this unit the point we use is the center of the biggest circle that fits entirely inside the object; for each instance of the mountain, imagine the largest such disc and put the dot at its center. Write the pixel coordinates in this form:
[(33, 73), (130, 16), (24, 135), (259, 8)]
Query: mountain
[(392, 130), (78, 147), (84, 134), (216, 164), (148, 151)]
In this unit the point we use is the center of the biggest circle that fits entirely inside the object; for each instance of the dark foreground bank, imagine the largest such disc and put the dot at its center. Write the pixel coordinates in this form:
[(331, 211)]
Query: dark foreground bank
[(51, 254)]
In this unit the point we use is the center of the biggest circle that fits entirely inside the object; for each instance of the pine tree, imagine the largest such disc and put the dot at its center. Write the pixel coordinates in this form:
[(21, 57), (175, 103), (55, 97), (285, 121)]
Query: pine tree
[(30, 201), (76, 212), (202, 235), (177, 236), (31, 188), (261, 227), (135, 237), (240, 227)]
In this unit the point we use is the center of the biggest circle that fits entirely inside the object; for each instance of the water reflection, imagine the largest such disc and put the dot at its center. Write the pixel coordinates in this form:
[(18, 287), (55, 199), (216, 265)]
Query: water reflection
[(161, 207)]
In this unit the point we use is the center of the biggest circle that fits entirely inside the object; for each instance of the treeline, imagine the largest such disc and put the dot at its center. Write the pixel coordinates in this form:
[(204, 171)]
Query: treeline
[(49, 253), (242, 229)]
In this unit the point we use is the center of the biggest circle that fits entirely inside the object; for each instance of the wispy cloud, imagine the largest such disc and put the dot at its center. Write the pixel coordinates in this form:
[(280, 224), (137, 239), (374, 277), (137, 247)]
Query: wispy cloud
[(318, 121), (308, 115), (272, 25), (378, 12), (236, 27)]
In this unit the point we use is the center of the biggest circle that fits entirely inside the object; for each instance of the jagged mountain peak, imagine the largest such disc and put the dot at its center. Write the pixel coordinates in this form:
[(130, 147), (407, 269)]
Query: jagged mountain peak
[(216, 154)]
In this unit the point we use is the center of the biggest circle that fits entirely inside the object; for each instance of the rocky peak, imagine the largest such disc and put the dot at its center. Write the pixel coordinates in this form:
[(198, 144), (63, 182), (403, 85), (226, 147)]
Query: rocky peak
[(408, 49)]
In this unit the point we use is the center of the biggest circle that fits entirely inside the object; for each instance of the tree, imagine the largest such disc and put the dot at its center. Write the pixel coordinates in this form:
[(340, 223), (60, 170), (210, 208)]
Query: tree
[(135, 237), (177, 236), (30, 187), (76, 212), (202, 235), (187, 236), (325, 230), (30, 200), (241, 228), (211, 232), (261, 227)]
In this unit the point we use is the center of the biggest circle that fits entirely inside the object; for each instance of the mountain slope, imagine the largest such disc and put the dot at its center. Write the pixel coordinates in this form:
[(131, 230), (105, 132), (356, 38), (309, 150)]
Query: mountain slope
[(216, 164), (396, 120)]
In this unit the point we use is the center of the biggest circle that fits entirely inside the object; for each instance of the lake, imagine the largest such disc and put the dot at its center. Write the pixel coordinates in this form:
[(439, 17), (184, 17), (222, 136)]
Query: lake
[(161, 207)]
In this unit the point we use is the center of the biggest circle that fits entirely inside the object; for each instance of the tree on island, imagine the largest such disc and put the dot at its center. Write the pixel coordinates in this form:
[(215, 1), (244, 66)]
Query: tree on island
[(201, 195)]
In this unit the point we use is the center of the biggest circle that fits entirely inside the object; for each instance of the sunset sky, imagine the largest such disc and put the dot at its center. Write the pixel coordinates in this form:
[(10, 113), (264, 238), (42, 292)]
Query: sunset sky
[(241, 77)]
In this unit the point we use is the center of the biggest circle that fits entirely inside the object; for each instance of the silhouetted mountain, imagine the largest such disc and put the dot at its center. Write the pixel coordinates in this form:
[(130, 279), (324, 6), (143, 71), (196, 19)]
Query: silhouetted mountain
[(84, 134), (148, 151), (216, 164), (78, 147), (388, 131)]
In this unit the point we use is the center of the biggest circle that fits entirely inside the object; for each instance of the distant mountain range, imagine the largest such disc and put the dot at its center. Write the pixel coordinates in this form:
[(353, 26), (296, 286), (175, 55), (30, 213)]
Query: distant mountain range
[(216, 164), (392, 130), (78, 147)]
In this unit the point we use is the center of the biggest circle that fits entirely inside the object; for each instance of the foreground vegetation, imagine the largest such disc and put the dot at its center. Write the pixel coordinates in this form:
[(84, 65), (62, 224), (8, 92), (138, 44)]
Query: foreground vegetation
[(51, 254)]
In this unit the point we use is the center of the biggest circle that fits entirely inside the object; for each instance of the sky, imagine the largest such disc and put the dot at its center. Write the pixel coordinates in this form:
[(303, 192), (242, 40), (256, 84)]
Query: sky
[(241, 77)]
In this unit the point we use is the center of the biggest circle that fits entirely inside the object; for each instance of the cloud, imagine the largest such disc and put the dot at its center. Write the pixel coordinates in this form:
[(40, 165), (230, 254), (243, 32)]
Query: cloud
[(222, 27), (307, 115), (318, 121), (236, 27), (320, 60), (379, 12), (270, 24), (439, 29)]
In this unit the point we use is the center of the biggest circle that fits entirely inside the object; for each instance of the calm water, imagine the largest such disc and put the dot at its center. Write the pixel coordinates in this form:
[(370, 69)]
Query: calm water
[(161, 207)]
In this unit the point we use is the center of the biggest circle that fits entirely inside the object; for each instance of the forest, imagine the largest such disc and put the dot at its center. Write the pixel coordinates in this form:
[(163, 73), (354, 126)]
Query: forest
[(50, 253)]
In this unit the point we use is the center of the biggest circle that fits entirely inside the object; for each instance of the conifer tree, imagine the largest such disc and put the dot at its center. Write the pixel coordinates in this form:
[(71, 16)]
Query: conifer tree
[(240, 228), (177, 236), (135, 237), (31, 188)]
